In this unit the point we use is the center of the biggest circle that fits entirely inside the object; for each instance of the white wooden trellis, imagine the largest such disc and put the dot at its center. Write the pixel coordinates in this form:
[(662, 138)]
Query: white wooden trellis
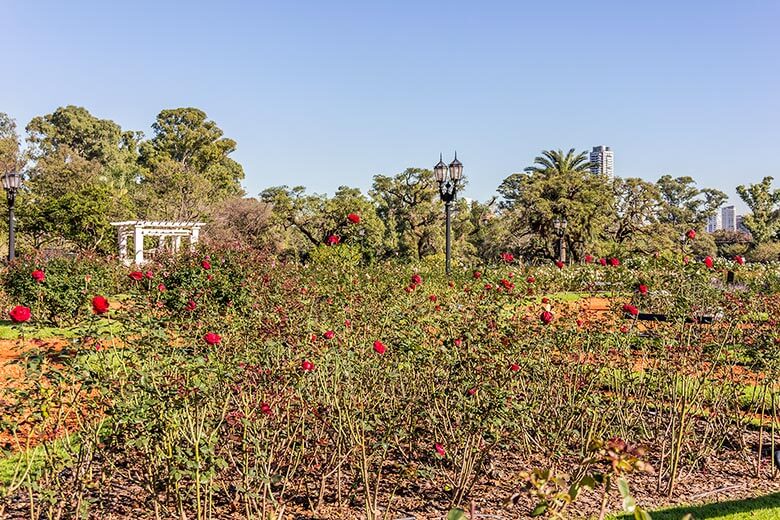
[(138, 229)]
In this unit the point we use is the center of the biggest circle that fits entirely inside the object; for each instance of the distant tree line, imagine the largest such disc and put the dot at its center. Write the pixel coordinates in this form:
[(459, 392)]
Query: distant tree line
[(82, 172)]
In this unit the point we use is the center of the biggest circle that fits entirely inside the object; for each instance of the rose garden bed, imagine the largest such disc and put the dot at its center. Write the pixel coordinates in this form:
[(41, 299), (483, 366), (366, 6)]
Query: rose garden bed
[(252, 389)]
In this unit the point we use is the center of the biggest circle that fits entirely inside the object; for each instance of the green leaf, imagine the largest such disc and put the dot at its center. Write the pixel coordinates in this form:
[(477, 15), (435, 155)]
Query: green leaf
[(623, 487), (456, 514), (540, 509)]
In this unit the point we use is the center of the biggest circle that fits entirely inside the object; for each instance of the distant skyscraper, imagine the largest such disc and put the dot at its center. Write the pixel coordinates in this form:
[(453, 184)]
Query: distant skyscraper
[(602, 161), (714, 223), (728, 217)]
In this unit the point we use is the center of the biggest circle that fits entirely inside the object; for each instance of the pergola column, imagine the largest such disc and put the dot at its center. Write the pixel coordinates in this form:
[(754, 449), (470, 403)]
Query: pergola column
[(139, 245), (194, 237), (176, 243)]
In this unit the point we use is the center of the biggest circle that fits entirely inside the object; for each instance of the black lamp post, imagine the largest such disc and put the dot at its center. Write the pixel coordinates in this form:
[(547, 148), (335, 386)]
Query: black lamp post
[(11, 183), (560, 228), (448, 178)]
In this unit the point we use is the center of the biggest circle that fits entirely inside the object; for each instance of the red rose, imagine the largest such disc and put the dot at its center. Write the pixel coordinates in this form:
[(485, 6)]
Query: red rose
[(416, 279), (354, 218), (136, 275), (265, 408), (432, 297), (329, 334), (514, 367), (545, 300), (38, 275), (588, 259), (333, 240), (458, 342), (477, 275), (191, 306), (379, 347), (439, 449), (347, 323), (20, 314), (559, 264), (642, 289), (212, 338), (614, 262), (99, 305), (709, 262), (530, 279), (739, 259), (205, 264), (161, 287), (624, 329), (507, 257), (472, 391), (546, 317), (603, 261), (307, 366), (690, 234), (149, 274), (630, 309)]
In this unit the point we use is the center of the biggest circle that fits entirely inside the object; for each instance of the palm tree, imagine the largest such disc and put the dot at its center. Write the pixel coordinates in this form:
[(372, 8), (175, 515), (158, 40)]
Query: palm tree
[(554, 162), (558, 186)]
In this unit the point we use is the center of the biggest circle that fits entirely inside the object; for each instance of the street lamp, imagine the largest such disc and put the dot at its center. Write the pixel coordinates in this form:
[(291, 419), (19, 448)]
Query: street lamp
[(560, 228), (11, 183), (448, 178)]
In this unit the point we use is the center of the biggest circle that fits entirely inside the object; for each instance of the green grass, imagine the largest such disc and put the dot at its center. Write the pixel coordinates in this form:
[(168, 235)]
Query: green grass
[(10, 331), (759, 508)]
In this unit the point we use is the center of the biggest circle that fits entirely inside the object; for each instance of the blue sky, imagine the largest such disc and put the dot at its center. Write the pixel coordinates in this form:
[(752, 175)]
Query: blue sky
[(328, 94)]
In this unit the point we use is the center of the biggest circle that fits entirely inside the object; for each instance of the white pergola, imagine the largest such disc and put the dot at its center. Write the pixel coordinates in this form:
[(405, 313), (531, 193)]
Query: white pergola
[(139, 229)]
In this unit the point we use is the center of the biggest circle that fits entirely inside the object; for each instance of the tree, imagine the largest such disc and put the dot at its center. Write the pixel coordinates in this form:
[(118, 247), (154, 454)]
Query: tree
[(82, 176), (683, 205), (188, 149), (81, 134), (308, 220), (409, 204), (557, 186), (636, 214), (764, 220), (242, 222), (9, 145)]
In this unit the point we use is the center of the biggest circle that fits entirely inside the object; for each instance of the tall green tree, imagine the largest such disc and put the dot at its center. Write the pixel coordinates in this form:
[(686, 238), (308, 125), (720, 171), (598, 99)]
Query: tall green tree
[(187, 165), (557, 186), (409, 204), (764, 220), (683, 205), (82, 175), (307, 220), (10, 159)]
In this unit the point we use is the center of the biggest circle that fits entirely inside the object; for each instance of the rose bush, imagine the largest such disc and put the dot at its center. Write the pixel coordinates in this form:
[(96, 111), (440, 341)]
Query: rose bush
[(256, 387)]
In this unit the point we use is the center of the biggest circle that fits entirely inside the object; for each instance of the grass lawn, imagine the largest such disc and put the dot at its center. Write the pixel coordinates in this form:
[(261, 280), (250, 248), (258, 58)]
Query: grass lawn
[(760, 508), (10, 331)]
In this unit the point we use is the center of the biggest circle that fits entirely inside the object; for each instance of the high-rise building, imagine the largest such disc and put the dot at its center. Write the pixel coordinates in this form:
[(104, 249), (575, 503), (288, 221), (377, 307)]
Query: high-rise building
[(714, 223), (602, 161), (728, 217)]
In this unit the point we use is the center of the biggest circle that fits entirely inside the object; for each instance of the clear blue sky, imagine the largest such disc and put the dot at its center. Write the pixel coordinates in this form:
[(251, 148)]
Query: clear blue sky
[(330, 93)]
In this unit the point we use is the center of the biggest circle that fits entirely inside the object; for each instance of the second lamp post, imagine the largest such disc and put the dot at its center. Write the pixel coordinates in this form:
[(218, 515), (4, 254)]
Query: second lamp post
[(448, 178), (11, 183)]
